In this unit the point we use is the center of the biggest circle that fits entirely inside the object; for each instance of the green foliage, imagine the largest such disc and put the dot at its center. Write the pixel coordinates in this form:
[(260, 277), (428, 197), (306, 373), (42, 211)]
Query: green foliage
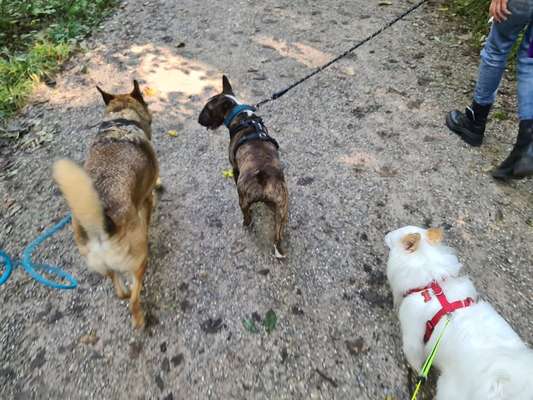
[(270, 321), (35, 37), (500, 115), (19, 72), (249, 325), (476, 16)]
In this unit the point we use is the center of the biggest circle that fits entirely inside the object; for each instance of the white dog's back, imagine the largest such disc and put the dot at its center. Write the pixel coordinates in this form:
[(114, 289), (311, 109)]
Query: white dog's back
[(481, 357)]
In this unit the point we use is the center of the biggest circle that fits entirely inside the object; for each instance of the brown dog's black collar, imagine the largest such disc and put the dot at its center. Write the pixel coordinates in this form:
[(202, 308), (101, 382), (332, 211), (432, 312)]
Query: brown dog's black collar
[(118, 122)]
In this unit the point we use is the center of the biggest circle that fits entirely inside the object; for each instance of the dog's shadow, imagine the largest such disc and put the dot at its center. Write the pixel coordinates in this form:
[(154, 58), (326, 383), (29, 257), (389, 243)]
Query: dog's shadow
[(157, 255)]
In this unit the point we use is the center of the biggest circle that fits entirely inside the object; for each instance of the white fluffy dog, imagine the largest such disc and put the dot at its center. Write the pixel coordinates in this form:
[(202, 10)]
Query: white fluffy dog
[(480, 356)]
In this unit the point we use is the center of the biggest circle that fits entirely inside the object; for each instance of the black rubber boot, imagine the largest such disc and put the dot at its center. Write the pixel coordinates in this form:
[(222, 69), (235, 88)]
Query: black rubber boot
[(470, 125), (519, 163), (524, 166)]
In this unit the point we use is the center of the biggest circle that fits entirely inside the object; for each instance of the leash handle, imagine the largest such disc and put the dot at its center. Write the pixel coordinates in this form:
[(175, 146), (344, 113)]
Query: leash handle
[(33, 269), (8, 267), (52, 270)]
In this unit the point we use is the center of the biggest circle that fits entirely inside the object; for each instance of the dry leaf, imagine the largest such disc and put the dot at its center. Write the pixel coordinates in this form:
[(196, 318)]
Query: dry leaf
[(89, 339), (149, 91)]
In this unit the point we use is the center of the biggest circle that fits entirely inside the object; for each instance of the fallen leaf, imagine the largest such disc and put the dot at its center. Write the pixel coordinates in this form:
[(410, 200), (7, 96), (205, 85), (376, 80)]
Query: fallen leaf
[(89, 339), (172, 133), (149, 91), (249, 325), (211, 325), (270, 321), (227, 173)]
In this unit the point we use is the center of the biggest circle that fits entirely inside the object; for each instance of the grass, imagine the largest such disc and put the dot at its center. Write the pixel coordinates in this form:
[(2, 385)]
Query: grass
[(475, 14), (36, 36)]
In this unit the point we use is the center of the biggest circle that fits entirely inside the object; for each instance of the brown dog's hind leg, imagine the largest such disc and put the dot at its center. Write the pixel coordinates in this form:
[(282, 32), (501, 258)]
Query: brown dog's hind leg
[(280, 219), (135, 300), (120, 288), (246, 211)]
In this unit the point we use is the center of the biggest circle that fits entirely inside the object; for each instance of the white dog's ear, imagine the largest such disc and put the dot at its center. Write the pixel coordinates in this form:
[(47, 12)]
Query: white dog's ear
[(411, 242), (435, 235)]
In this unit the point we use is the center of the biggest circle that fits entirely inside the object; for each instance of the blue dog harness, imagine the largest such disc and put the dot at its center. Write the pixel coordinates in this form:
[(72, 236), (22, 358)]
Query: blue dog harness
[(258, 129), (236, 111)]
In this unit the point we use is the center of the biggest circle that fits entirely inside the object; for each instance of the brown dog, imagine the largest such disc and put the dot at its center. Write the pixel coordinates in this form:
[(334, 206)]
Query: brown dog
[(112, 197), (254, 157)]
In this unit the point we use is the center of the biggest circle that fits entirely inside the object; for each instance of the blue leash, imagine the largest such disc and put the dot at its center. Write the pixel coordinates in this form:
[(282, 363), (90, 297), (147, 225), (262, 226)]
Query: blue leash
[(32, 269)]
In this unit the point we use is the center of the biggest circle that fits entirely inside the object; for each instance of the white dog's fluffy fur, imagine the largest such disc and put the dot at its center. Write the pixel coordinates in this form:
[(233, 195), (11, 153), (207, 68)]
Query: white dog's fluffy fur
[(480, 356)]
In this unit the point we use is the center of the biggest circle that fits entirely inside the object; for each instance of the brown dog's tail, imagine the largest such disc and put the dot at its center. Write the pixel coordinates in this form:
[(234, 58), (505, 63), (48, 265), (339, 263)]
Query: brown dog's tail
[(81, 196)]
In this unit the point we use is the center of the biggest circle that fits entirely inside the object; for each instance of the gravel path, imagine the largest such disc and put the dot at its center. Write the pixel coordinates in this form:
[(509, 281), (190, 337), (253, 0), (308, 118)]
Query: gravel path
[(365, 151)]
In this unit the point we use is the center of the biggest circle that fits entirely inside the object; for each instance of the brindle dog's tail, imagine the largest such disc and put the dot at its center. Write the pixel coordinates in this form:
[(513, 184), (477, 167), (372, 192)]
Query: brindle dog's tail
[(81, 197)]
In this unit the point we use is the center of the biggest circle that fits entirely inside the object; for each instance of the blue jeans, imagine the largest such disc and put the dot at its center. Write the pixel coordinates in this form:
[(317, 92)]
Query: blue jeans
[(494, 58)]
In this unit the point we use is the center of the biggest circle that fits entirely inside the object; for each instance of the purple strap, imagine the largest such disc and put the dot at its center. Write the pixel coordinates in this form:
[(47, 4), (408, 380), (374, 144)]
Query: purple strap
[(530, 51)]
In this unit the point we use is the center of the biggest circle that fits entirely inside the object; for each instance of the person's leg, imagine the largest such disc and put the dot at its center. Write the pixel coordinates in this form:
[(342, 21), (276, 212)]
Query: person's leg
[(494, 59), (519, 163), (470, 125), (525, 76)]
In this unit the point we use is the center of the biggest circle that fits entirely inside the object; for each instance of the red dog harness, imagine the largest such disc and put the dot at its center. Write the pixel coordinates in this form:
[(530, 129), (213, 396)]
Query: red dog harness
[(446, 306)]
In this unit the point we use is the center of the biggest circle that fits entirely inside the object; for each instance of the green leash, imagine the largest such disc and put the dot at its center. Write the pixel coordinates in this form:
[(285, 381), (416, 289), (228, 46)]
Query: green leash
[(424, 371)]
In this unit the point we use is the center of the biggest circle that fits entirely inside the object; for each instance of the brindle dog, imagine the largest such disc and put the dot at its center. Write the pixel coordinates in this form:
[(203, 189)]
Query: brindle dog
[(254, 157), (112, 197)]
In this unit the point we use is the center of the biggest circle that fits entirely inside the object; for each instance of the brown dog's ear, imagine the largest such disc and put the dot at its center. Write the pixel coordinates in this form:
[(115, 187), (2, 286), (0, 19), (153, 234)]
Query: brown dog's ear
[(106, 96), (136, 92), (411, 241), (435, 235), (226, 86)]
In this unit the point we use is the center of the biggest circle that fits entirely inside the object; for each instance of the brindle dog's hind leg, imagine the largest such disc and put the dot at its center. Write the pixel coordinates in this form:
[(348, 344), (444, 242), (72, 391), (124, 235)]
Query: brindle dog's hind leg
[(236, 175), (280, 218), (246, 210)]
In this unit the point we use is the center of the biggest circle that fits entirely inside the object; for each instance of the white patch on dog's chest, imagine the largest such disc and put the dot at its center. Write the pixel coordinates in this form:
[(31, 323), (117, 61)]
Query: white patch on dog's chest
[(237, 102)]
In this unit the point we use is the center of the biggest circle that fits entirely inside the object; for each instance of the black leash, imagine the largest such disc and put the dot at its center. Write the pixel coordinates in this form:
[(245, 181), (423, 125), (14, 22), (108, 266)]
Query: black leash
[(277, 95)]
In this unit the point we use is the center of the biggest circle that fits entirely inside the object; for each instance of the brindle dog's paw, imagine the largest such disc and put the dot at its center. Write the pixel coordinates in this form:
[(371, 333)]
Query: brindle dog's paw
[(279, 254)]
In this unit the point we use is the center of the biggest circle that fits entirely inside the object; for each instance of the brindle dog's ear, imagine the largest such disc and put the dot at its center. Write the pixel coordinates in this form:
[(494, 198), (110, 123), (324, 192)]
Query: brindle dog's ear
[(136, 93), (226, 86), (106, 96)]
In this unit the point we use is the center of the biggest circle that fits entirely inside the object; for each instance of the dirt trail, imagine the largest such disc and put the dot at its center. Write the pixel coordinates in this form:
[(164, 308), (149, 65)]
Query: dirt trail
[(365, 151)]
